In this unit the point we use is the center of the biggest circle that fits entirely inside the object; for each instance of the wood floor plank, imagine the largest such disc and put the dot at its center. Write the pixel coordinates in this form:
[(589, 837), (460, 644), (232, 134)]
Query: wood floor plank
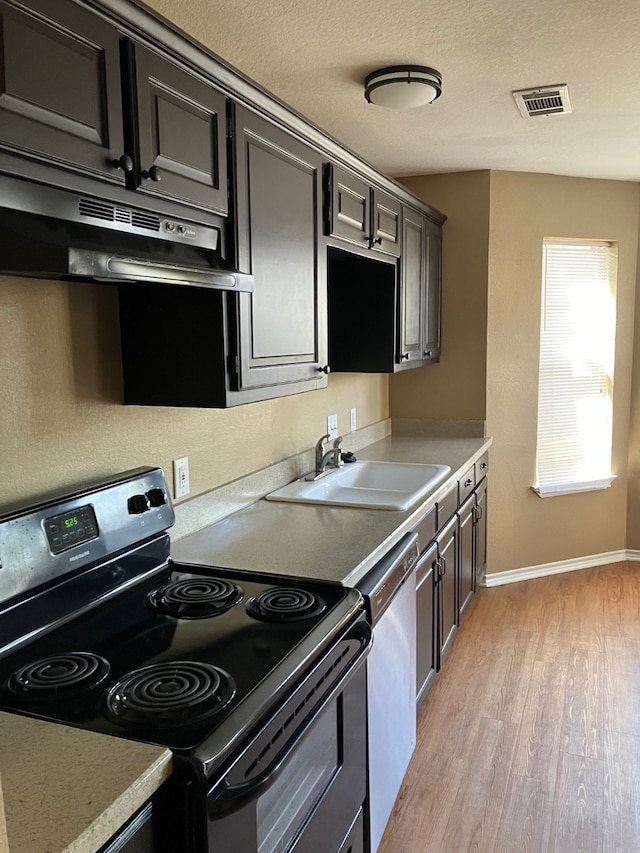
[(622, 791), (525, 820), (578, 808), (538, 742), (529, 740), (476, 810), (582, 719)]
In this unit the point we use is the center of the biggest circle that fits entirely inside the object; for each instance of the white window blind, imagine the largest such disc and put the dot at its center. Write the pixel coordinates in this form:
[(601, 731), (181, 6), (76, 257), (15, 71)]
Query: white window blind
[(577, 347)]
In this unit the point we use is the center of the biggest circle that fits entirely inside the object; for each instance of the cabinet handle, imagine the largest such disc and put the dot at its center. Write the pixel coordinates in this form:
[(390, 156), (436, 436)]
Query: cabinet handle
[(442, 563), (428, 353), (405, 355), (152, 174), (325, 369), (483, 465), (377, 241), (467, 483), (125, 163)]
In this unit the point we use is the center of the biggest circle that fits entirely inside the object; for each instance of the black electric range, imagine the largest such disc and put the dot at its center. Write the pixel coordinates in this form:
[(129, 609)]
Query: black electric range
[(101, 629)]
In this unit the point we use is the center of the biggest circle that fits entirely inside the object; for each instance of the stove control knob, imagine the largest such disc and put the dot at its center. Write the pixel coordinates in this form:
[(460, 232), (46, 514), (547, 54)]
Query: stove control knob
[(137, 504), (156, 497)]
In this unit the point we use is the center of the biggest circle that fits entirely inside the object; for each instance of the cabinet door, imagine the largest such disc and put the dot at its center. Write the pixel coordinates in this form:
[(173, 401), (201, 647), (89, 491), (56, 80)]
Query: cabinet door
[(60, 92), (480, 519), (282, 325), (350, 207), (466, 570), (426, 622), (433, 293), (447, 586), (386, 225), (412, 286), (181, 133)]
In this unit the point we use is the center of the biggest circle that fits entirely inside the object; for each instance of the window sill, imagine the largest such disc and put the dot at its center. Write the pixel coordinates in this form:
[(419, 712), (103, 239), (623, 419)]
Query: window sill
[(551, 491)]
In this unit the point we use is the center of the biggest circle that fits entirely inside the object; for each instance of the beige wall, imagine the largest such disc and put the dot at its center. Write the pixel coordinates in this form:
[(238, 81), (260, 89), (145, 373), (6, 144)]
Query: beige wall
[(61, 418), (526, 208), (491, 314), (454, 388), (633, 490)]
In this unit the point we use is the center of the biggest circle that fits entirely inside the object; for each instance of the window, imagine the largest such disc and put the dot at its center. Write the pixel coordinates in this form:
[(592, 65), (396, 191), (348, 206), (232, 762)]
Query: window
[(575, 385)]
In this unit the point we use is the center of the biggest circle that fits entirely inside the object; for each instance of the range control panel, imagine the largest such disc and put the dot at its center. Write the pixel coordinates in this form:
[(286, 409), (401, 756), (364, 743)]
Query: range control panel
[(70, 531)]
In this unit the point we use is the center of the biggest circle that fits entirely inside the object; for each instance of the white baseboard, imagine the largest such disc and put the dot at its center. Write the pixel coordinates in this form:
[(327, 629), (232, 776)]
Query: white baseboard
[(529, 572)]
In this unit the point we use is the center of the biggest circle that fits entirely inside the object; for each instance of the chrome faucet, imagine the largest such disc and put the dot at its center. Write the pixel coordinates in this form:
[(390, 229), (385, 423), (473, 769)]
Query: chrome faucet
[(327, 460)]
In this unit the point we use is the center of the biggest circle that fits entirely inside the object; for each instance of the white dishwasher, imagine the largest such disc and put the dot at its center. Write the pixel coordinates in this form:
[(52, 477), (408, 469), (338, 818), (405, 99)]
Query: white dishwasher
[(390, 591)]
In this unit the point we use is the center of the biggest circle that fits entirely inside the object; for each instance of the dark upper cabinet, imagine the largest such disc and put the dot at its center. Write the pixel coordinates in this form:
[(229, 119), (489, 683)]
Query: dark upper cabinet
[(419, 318), (60, 92), (63, 72), (433, 288), (361, 214), (396, 304), (181, 132), (237, 348), (413, 288), (282, 336)]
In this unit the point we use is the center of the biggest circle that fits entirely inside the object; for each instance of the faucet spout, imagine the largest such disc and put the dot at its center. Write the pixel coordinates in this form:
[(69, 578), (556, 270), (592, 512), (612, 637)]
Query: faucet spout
[(326, 460)]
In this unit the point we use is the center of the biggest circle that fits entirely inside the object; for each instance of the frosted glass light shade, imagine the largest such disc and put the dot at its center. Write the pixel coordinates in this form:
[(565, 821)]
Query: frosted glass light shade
[(402, 87)]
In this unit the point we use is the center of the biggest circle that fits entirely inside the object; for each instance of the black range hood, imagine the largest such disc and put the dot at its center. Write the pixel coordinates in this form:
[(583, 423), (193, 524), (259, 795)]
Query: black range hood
[(47, 232)]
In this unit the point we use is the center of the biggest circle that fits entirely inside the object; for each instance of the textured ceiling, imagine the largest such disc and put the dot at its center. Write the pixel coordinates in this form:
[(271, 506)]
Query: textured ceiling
[(314, 55)]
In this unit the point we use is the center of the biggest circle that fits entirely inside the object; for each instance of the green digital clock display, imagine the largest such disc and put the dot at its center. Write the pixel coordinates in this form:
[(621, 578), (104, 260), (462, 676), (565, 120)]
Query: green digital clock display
[(70, 529)]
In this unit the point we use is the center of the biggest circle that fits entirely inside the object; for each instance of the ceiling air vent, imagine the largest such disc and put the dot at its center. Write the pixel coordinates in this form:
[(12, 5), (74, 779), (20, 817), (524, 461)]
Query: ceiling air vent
[(543, 101)]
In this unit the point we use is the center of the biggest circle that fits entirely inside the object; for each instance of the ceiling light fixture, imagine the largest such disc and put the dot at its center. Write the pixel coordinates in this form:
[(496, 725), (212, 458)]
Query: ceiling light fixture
[(402, 87)]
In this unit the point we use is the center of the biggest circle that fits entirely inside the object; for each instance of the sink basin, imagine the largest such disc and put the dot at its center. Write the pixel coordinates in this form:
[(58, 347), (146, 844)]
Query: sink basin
[(372, 485)]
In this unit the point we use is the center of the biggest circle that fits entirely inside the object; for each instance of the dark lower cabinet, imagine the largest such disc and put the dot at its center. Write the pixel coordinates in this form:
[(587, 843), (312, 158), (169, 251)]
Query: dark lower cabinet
[(426, 621), (446, 582), (480, 538), (136, 836), (467, 531), (281, 327), (449, 570)]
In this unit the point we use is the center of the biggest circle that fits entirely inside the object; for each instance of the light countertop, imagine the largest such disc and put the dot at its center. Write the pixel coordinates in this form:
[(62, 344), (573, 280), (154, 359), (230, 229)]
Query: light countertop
[(69, 791), (337, 544)]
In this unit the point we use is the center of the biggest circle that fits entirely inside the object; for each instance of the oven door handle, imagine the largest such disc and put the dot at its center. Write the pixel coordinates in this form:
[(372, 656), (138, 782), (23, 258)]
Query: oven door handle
[(230, 798)]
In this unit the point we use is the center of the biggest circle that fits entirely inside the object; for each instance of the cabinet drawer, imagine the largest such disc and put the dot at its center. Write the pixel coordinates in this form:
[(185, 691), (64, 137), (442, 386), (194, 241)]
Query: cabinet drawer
[(466, 484), (426, 529), (482, 467), (446, 507)]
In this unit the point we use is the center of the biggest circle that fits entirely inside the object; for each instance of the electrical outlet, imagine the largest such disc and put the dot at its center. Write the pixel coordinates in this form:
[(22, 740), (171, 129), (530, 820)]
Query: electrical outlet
[(354, 420), (332, 427), (181, 477)]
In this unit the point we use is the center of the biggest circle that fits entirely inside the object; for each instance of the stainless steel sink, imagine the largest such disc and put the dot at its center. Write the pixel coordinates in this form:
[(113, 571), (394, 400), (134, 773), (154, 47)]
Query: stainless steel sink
[(372, 485)]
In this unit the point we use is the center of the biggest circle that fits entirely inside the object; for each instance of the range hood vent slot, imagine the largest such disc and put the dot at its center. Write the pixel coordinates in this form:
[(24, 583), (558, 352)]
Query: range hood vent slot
[(105, 211), (543, 100), (96, 209)]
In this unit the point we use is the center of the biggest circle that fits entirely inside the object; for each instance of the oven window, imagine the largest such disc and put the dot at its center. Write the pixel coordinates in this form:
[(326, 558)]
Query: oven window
[(284, 808)]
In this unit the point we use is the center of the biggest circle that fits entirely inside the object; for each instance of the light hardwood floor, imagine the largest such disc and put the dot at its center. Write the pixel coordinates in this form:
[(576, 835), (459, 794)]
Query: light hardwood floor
[(529, 739)]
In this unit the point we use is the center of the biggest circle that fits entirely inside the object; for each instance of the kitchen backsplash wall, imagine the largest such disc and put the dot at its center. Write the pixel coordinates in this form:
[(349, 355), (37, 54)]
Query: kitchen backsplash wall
[(62, 420)]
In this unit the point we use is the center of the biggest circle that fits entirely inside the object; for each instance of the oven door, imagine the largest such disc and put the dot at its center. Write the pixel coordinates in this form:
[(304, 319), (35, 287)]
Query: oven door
[(300, 785)]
